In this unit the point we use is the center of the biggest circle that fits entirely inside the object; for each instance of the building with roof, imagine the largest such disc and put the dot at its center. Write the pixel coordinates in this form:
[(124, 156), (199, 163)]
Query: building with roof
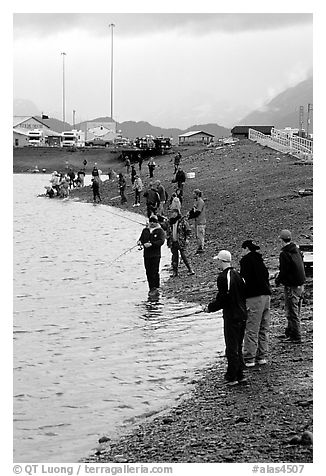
[(195, 137), (23, 124), (20, 137), (28, 123), (242, 132)]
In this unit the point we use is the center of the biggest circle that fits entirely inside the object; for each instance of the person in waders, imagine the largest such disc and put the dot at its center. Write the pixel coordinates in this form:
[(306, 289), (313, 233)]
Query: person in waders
[(151, 240)]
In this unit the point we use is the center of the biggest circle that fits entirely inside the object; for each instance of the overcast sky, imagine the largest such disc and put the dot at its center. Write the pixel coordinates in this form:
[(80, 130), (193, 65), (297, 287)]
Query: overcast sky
[(170, 69)]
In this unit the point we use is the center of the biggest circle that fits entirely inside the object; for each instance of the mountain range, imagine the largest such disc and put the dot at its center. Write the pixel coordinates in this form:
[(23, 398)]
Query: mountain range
[(281, 111)]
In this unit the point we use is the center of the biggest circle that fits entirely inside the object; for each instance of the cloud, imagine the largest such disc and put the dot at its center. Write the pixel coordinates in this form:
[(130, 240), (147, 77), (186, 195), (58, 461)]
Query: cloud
[(131, 24)]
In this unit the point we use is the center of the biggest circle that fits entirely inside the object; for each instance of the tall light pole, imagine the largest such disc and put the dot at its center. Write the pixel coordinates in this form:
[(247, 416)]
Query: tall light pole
[(63, 88), (74, 118), (112, 25), (308, 119)]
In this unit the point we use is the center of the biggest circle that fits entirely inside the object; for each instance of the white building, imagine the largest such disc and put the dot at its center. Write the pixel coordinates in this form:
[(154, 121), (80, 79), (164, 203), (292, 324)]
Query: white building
[(195, 137)]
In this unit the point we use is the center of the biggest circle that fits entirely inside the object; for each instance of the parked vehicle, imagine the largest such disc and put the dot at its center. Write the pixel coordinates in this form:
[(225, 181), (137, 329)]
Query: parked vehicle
[(73, 138), (36, 138)]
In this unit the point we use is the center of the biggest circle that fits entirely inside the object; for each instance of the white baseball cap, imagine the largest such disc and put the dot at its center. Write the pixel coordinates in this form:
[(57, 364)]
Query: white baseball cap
[(224, 255)]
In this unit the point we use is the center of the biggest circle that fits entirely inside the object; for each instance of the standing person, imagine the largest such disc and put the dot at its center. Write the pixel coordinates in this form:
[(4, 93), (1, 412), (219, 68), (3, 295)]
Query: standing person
[(95, 173), (133, 174), (85, 163), (127, 165), (178, 234), (140, 162), (151, 239), (292, 276), (81, 176), (162, 193), (198, 212), (258, 300), (64, 187), (177, 160), (96, 190), (71, 175), (122, 188), (151, 166), (175, 203), (232, 299), (152, 200), (180, 178), (137, 187)]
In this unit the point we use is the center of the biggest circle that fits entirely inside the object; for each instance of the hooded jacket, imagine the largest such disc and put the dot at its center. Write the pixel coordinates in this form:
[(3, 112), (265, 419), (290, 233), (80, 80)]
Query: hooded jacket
[(230, 297), (292, 271), (255, 274), (156, 236)]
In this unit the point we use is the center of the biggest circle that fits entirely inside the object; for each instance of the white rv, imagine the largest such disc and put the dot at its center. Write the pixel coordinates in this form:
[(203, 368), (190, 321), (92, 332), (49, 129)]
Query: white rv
[(36, 138), (73, 138)]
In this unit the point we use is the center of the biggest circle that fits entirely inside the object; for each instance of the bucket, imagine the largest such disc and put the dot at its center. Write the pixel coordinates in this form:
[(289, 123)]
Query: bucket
[(191, 175)]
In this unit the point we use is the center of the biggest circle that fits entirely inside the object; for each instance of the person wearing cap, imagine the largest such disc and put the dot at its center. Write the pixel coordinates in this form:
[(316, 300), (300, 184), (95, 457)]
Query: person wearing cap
[(178, 233), (151, 240), (198, 212), (292, 276), (258, 300), (231, 299)]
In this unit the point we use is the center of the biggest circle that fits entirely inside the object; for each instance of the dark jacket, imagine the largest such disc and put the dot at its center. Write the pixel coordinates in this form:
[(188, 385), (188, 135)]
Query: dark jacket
[(255, 274), (292, 271), (152, 197), (180, 176), (156, 237), (230, 297)]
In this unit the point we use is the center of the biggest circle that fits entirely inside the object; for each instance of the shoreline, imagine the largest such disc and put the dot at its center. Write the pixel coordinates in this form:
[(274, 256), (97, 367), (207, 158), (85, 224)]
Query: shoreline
[(251, 193)]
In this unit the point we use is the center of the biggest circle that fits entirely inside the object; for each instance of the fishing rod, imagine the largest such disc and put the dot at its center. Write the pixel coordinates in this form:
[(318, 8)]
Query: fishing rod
[(124, 253)]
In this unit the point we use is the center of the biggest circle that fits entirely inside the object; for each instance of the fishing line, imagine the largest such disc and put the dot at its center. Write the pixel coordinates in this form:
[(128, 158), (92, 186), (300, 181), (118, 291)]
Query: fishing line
[(126, 218), (162, 321)]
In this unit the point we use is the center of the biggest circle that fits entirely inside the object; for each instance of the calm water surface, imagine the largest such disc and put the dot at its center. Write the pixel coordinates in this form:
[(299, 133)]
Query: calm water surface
[(92, 355)]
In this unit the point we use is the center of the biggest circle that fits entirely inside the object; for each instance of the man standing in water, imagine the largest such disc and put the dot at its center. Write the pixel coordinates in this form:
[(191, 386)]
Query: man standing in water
[(151, 239)]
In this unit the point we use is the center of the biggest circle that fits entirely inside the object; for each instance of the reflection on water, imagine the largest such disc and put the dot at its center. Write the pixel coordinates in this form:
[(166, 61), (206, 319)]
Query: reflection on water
[(92, 355)]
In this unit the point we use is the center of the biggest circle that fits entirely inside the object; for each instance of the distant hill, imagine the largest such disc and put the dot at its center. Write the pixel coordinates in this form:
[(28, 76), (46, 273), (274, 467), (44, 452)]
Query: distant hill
[(132, 129), (283, 110), (25, 107)]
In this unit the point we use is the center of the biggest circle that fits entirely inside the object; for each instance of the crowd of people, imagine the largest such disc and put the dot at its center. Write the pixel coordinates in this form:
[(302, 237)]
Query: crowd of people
[(244, 296)]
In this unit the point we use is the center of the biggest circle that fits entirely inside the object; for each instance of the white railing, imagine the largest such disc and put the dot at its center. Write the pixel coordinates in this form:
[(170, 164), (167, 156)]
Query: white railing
[(283, 142)]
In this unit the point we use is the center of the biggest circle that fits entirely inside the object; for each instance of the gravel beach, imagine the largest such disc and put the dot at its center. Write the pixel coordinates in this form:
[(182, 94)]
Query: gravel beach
[(251, 192)]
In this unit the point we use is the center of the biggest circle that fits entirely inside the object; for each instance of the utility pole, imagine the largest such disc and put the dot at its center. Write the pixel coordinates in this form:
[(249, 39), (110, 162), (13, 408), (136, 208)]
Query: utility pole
[(308, 118), (301, 121), (112, 25), (74, 118), (63, 88)]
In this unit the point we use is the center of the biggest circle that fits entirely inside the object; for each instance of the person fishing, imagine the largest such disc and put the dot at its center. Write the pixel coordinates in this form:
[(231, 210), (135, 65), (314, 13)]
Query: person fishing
[(152, 239)]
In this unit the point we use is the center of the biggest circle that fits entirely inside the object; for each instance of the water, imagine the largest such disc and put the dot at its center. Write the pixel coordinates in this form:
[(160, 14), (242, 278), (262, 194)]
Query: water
[(92, 356)]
